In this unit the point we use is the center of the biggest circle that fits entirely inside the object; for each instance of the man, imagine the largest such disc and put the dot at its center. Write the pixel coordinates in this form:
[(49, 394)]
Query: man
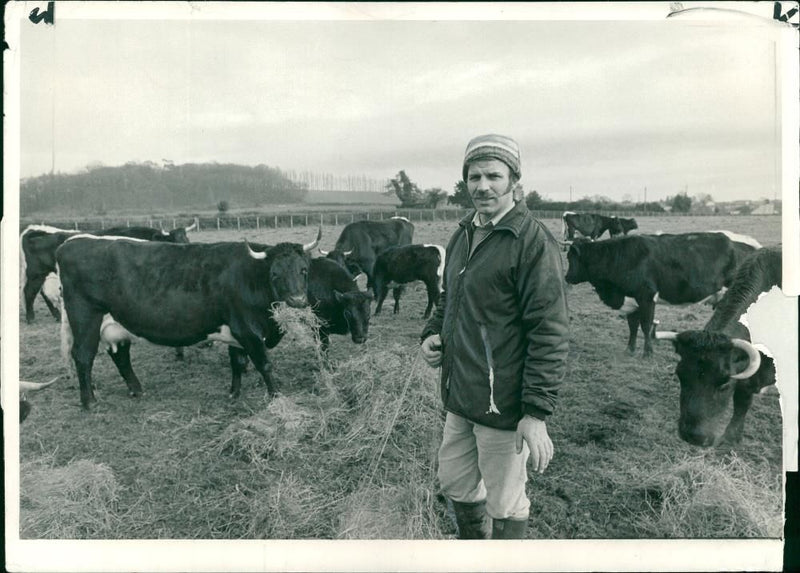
[(500, 334)]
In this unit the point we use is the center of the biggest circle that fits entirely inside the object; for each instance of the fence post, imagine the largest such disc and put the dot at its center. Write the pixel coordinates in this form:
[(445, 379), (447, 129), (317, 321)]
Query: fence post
[(257, 227), (306, 219), (198, 224), (367, 215), (291, 221), (336, 219), (352, 217), (173, 223), (238, 223), (217, 223), (276, 221), (102, 223), (76, 225)]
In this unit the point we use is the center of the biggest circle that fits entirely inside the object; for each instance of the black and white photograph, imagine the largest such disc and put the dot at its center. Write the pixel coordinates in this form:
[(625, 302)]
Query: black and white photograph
[(345, 286)]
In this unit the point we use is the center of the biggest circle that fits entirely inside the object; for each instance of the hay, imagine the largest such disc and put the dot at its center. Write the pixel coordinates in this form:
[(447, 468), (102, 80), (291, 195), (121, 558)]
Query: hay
[(271, 432), (289, 509), (701, 497), (75, 501), (299, 326)]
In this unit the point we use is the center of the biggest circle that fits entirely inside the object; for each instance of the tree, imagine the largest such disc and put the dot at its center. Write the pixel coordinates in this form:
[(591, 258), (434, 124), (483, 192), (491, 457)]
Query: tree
[(461, 197), (434, 196), (681, 203), (534, 200), (406, 190), (222, 206)]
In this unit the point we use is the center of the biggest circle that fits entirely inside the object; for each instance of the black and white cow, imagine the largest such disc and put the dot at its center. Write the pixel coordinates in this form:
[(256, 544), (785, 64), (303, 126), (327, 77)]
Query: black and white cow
[(360, 243), (592, 226), (176, 295), (401, 265), (38, 244), (719, 363), (678, 269)]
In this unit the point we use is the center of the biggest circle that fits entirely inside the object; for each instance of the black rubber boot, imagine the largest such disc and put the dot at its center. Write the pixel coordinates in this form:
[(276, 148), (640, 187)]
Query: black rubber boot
[(472, 520), (509, 528)]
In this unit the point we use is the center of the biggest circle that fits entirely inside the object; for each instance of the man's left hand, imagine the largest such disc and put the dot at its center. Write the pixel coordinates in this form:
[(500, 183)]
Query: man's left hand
[(534, 432)]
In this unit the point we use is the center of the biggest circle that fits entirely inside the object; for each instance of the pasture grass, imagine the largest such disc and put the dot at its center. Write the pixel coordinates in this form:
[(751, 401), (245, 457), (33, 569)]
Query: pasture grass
[(348, 449)]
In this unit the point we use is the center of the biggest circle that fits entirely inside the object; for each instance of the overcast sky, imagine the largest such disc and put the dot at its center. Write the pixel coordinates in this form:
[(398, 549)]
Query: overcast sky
[(607, 107)]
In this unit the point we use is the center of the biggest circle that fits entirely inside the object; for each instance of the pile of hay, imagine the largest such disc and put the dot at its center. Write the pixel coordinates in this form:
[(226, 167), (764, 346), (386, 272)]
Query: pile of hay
[(75, 501), (354, 456), (701, 494)]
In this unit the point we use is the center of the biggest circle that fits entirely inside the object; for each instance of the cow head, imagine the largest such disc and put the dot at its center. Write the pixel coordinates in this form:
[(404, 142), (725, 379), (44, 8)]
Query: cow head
[(710, 367), (344, 259), (628, 225), (287, 268), (25, 387), (615, 226), (576, 273), (356, 310)]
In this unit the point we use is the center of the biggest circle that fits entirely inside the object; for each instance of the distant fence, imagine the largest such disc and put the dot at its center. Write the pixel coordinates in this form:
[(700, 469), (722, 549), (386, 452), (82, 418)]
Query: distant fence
[(289, 220)]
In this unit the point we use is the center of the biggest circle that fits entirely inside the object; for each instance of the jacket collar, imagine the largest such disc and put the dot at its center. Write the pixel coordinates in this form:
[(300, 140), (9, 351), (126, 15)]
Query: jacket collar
[(512, 221)]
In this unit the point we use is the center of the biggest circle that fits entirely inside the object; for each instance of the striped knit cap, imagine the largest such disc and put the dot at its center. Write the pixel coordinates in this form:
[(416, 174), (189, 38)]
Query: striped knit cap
[(493, 146)]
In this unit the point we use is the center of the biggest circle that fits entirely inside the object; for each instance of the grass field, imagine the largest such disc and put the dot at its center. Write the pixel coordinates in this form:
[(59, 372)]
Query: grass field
[(348, 450)]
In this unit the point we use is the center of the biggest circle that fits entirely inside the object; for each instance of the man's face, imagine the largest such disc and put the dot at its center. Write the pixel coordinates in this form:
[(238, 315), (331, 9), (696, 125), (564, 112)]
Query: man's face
[(489, 184)]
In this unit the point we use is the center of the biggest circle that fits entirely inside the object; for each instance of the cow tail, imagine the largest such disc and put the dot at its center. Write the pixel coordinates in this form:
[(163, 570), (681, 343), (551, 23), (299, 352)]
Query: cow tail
[(66, 336)]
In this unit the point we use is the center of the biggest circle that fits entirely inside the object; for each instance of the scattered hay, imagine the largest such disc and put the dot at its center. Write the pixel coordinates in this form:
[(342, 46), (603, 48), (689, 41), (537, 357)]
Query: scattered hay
[(289, 509), (273, 431), (702, 497), (405, 511), (76, 501)]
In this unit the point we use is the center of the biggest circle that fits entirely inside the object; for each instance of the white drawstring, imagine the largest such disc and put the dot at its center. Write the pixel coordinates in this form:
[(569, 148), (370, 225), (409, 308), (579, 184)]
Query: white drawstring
[(485, 337)]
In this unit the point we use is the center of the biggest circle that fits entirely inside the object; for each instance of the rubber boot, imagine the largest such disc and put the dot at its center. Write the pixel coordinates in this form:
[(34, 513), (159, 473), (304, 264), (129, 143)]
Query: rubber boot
[(509, 528), (472, 520)]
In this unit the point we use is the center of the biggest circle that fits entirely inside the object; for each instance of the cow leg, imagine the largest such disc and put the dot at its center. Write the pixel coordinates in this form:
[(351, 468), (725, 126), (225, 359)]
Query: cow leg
[(647, 309), (238, 359), (51, 307), (397, 292), (433, 295), (381, 290), (179, 353), (122, 360), (32, 287), (257, 352), (86, 336), (633, 325)]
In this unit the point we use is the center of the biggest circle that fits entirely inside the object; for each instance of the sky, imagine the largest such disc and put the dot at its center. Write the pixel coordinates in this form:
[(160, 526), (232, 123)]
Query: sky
[(628, 109)]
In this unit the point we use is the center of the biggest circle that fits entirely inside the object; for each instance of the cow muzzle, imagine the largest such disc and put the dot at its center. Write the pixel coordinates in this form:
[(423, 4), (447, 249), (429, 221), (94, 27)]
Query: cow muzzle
[(299, 301)]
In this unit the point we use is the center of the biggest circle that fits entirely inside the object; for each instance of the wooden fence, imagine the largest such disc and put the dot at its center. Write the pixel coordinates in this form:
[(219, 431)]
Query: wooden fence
[(290, 220)]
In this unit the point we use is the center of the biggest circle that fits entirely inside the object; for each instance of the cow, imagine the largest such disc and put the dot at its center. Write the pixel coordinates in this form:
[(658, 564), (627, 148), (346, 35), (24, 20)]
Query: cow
[(361, 242), (25, 387), (678, 269), (400, 265), (38, 244), (719, 363), (592, 226), (336, 300), (176, 295)]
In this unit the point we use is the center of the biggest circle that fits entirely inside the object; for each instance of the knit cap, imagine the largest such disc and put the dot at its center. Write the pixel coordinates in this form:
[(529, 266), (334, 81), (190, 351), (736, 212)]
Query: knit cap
[(493, 146)]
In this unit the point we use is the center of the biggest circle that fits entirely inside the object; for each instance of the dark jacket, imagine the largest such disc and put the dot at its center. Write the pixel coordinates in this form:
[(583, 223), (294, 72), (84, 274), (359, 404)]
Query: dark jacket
[(506, 306)]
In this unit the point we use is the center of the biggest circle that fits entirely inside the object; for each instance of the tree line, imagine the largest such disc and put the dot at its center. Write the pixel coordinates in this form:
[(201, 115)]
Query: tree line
[(100, 189)]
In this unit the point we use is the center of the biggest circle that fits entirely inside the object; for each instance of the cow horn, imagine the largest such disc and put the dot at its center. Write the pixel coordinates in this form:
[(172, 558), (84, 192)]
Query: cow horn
[(34, 386), (255, 254), (193, 226), (313, 244), (348, 253), (752, 353), (666, 335), (323, 252)]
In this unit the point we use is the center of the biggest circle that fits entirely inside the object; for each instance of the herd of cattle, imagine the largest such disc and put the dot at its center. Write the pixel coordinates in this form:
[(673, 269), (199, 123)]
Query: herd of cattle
[(131, 282)]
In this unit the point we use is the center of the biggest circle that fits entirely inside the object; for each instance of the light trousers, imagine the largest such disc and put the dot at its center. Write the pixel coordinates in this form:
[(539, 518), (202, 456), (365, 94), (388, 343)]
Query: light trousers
[(479, 463)]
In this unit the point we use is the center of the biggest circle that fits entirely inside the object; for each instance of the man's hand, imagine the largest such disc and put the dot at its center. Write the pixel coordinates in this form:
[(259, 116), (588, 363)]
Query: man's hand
[(534, 432), (432, 350)]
